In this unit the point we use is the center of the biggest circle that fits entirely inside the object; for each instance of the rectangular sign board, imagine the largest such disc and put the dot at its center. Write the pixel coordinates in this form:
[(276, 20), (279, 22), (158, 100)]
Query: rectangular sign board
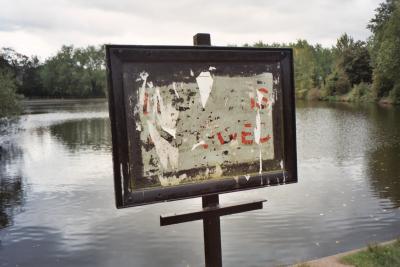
[(191, 121)]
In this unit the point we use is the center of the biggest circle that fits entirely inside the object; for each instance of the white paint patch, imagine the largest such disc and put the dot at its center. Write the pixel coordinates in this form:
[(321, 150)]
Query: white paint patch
[(191, 73), (202, 142), (205, 82), (247, 176), (172, 180), (212, 68), (281, 164), (167, 154), (217, 172), (174, 87), (143, 75), (168, 114), (259, 97), (257, 129), (284, 177), (139, 106), (234, 143)]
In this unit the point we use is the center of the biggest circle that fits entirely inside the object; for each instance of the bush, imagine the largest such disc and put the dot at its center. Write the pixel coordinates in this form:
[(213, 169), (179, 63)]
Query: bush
[(394, 94), (337, 83), (9, 104), (361, 92)]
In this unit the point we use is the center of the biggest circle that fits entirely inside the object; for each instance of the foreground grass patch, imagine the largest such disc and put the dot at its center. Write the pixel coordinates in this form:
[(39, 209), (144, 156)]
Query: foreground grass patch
[(376, 256)]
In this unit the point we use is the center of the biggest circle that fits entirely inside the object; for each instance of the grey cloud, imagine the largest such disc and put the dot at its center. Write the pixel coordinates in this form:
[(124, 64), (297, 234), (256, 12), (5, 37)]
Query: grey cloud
[(238, 21)]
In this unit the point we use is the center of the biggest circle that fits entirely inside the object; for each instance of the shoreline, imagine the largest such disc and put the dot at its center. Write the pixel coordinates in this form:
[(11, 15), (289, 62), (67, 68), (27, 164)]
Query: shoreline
[(46, 101), (334, 260), (381, 102)]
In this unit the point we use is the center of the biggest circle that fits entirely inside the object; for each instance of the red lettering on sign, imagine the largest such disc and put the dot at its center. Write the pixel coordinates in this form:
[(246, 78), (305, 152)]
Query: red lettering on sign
[(265, 139), (232, 136), (246, 141), (263, 90), (254, 104), (146, 99), (220, 138)]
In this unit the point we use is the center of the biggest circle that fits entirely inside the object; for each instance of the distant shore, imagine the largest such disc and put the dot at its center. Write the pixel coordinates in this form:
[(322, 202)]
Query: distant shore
[(39, 101)]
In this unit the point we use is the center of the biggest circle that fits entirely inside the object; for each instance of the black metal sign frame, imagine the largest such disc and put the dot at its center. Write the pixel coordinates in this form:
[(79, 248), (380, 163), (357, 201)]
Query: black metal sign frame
[(118, 55)]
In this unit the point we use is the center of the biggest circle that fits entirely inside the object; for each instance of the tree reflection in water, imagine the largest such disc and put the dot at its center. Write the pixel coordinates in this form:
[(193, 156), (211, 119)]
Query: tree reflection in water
[(87, 133), (11, 193), (383, 167)]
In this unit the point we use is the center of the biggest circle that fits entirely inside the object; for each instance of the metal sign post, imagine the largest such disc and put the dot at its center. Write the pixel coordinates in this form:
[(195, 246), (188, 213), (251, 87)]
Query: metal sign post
[(212, 210), (210, 214)]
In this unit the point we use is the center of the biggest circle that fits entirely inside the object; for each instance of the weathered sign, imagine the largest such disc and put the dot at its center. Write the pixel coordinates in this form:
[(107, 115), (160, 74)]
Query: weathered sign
[(189, 121)]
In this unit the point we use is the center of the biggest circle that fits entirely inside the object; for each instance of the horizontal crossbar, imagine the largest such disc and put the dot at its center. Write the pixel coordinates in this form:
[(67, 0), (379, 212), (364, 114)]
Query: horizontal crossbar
[(216, 211)]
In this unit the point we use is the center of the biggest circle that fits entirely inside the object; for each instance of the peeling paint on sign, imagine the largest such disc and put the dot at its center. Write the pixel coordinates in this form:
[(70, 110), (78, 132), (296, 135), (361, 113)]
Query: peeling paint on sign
[(202, 128)]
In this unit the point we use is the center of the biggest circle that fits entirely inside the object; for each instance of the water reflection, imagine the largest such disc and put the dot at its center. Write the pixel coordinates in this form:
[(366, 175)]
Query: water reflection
[(383, 158), (384, 172), (11, 194), (80, 134), (58, 203)]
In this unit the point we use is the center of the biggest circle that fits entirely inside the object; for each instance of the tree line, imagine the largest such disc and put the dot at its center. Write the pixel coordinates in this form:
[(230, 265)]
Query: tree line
[(351, 70)]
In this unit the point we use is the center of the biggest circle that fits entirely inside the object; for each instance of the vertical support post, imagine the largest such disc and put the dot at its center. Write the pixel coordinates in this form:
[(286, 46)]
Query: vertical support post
[(202, 39), (212, 233), (211, 224)]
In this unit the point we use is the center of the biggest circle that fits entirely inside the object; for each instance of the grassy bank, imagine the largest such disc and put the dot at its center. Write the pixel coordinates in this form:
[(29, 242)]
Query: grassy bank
[(376, 256)]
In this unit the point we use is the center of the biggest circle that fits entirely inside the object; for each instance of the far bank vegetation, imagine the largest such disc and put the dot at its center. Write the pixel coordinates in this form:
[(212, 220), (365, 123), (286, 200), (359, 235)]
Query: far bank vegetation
[(351, 70)]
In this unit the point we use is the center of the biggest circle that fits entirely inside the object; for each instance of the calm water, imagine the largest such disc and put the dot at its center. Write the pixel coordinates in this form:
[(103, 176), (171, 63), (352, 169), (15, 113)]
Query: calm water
[(57, 202)]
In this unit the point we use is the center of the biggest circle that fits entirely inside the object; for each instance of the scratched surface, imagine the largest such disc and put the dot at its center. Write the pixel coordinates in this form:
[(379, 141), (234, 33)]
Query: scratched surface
[(200, 122)]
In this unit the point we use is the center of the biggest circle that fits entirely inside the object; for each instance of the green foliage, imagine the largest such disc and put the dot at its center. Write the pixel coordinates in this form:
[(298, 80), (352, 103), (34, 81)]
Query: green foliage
[(383, 256), (23, 69), (361, 93), (353, 59), (312, 64), (75, 73), (337, 83), (9, 104), (304, 65), (385, 44), (394, 94), (343, 72)]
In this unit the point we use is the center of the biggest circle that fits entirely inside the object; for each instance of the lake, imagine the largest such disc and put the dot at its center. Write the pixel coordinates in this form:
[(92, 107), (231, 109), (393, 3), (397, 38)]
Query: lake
[(57, 200)]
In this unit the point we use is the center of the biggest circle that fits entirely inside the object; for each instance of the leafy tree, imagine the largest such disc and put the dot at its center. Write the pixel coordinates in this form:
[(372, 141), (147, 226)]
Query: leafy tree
[(75, 73), (385, 43), (305, 65), (24, 70), (312, 64), (9, 104), (91, 63), (337, 83), (354, 59)]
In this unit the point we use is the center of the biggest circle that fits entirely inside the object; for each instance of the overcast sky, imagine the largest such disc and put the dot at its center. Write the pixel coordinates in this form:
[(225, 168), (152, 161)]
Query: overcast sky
[(40, 27)]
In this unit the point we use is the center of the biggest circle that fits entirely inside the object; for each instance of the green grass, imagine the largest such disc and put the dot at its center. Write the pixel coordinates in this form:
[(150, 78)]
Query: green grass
[(376, 256)]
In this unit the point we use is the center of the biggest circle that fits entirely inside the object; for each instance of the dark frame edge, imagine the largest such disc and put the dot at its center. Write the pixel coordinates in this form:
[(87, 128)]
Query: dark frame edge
[(115, 153), (289, 103)]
